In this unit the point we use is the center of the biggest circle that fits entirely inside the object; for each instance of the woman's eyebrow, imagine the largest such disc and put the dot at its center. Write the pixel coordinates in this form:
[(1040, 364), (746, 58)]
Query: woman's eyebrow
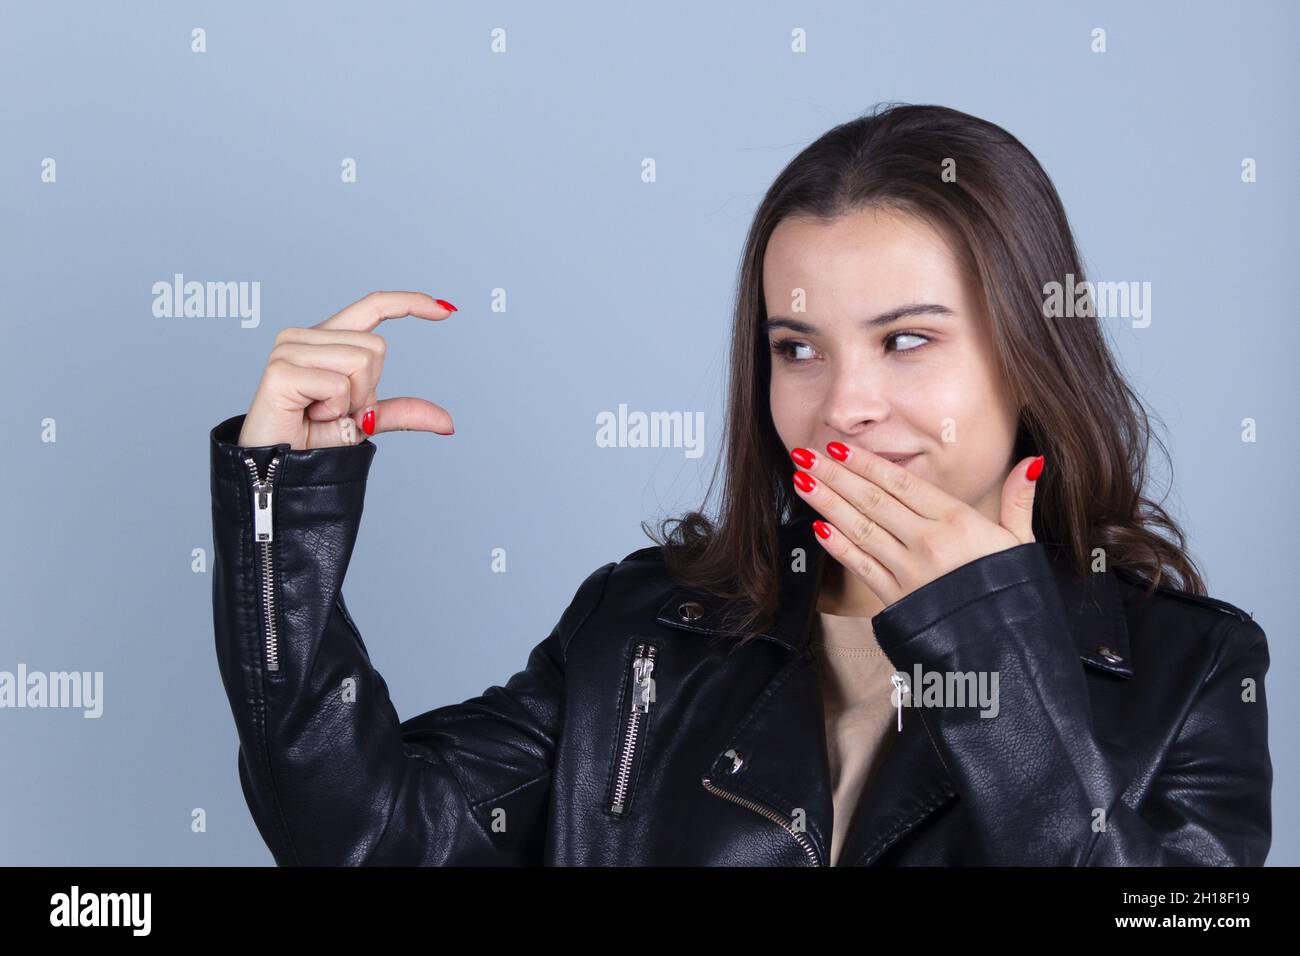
[(885, 318)]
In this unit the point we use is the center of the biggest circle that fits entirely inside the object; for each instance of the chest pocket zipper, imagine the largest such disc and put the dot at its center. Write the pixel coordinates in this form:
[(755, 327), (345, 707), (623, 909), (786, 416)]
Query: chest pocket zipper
[(264, 537), (639, 698)]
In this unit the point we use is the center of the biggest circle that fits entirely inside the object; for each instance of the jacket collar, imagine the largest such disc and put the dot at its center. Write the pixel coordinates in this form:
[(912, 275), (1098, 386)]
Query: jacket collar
[(782, 739)]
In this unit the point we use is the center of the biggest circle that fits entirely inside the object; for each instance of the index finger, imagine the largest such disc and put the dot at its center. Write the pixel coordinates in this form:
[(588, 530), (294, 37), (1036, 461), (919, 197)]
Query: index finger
[(911, 489), (366, 313)]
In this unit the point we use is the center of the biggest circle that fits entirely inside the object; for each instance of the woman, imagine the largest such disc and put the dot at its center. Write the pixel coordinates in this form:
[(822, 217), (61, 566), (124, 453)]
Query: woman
[(935, 620)]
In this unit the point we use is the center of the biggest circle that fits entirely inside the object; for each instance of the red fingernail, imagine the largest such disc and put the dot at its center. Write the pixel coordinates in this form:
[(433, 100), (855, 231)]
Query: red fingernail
[(823, 530), (446, 305), (838, 450), (1035, 469), (805, 481), (368, 422), (803, 457)]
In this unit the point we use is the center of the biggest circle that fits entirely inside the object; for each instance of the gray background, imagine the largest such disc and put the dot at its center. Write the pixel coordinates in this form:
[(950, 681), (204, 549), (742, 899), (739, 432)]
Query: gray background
[(522, 171)]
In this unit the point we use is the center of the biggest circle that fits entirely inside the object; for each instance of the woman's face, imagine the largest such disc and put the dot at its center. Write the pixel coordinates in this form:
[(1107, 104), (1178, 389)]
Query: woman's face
[(923, 383)]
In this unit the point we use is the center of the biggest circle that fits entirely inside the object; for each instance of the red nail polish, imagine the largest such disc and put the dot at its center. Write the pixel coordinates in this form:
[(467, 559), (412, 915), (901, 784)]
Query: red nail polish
[(446, 305), (368, 422), (823, 530), (805, 481), (838, 450), (1035, 469), (803, 457)]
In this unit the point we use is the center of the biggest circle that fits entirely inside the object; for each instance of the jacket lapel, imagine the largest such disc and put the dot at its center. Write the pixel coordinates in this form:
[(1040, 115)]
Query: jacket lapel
[(782, 739), (777, 750)]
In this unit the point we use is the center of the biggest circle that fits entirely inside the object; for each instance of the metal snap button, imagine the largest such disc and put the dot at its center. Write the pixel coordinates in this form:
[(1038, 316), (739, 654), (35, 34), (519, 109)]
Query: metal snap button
[(735, 760), (690, 610), (1110, 655)]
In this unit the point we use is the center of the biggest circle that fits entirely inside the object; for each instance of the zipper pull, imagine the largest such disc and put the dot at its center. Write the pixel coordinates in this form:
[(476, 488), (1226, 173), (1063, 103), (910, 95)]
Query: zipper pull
[(644, 691), (900, 688), (262, 490), (262, 511)]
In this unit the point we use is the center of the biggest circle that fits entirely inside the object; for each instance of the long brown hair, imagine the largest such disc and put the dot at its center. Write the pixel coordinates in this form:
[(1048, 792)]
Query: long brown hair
[(1010, 230)]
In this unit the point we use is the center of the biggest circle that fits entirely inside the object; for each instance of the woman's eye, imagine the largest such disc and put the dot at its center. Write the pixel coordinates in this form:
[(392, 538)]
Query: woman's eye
[(783, 349), (899, 336), (900, 341)]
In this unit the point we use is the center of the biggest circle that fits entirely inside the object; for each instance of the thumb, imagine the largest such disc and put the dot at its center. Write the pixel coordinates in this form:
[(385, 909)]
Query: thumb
[(1018, 499), (407, 414), (369, 412)]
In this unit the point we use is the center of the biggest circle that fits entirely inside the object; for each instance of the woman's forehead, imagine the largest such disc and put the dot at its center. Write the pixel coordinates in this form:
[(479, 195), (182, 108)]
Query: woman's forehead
[(861, 265)]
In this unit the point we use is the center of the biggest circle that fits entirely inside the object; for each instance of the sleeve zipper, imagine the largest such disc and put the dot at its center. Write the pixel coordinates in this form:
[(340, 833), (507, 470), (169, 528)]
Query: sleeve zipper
[(264, 537)]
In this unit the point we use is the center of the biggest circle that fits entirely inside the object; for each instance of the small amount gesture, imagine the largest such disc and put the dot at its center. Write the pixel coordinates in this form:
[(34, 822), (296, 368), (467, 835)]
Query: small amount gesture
[(319, 386)]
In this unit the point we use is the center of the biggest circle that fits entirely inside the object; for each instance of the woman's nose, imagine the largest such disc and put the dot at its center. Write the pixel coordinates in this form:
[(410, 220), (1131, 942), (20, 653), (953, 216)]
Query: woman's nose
[(855, 396)]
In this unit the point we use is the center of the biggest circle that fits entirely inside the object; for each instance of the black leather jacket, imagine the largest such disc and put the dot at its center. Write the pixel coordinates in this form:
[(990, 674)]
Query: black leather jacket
[(638, 732)]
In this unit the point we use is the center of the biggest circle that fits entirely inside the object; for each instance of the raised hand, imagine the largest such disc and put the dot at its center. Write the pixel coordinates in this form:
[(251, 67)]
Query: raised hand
[(896, 531), (319, 386)]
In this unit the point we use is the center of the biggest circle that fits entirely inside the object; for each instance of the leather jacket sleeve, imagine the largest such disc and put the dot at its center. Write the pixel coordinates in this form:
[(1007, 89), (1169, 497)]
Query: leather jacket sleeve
[(330, 774), (1036, 776)]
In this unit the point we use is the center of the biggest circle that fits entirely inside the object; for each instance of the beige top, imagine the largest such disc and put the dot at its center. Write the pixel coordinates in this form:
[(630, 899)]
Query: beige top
[(860, 715)]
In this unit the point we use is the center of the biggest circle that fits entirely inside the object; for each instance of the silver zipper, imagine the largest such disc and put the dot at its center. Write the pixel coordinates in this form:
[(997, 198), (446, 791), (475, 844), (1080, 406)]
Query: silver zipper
[(804, 841), (263, 535), (643, 695), (900, 688)]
